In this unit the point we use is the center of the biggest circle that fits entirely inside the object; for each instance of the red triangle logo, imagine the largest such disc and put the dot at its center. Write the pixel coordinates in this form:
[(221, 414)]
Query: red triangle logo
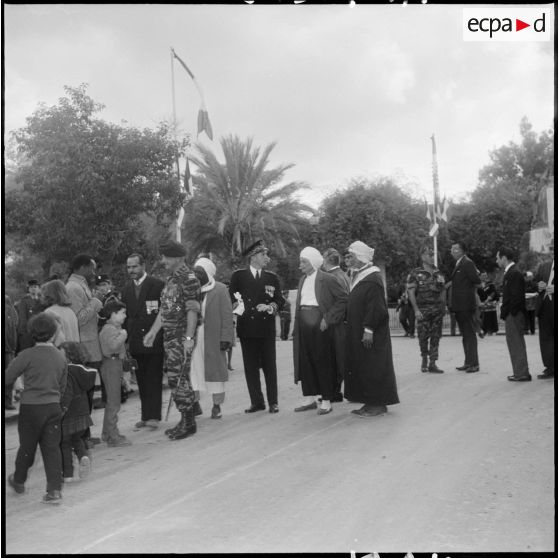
[(519, 25)]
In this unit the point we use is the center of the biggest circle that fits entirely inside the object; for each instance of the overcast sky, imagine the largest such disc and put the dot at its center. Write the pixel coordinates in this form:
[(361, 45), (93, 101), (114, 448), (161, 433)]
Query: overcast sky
[(344, 91)]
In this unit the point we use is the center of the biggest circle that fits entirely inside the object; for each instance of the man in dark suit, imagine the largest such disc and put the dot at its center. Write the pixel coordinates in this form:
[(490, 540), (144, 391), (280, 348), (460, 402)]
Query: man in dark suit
[(141, 295), (332, 265), (464, 282), (321, 304), (513, 312), (544, 279), (256, 296)]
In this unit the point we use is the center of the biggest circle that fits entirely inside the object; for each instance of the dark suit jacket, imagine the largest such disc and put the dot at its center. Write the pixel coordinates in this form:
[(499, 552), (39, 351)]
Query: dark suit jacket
[(513, 293), (332, 300), (464, 282), (265, 291), (141, 312), (341, 276), (542, 274)]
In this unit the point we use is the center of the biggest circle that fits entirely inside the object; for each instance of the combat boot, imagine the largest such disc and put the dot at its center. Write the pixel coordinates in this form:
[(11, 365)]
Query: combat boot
[(171, 431), (187, 426), (424, 364)]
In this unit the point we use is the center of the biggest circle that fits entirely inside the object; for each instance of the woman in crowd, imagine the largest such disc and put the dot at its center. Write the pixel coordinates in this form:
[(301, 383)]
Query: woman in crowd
[(488, 296), (55, 297)]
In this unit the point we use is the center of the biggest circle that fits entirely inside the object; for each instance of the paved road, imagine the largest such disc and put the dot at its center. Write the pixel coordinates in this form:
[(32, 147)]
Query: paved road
[(464, 463)]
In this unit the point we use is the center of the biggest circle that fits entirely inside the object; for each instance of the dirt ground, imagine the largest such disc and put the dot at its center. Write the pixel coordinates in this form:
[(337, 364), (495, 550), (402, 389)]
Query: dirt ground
[(465, 463)]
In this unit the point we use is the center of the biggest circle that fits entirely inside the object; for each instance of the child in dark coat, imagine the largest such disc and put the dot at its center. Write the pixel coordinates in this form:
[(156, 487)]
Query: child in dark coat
[(75, 406)]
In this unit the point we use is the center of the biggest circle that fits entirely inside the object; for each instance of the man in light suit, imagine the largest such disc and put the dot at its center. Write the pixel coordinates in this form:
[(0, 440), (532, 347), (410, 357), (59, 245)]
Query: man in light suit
[(544, 279), (86, 308), (332, 265), (261, 296), (464, 282), (142, 295), (320, 304), (514, 313)]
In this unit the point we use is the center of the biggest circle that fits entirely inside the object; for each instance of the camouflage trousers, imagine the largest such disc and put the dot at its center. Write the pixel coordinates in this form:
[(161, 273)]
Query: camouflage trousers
[(178, 373), (429, 327)]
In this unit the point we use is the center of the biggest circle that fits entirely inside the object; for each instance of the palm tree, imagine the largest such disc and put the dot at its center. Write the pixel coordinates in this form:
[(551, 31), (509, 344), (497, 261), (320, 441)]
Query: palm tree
[(240, 201)]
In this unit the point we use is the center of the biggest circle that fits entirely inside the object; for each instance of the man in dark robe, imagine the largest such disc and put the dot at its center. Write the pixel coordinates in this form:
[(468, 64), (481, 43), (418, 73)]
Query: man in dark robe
[(369, 375), (320, 305)]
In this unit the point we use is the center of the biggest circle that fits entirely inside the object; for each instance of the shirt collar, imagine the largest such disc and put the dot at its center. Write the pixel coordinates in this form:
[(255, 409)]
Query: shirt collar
[(138, 282), (254, 270), (508, 266)]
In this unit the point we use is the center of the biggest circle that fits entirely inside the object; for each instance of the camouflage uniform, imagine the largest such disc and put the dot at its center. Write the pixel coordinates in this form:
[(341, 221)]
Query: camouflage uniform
[(180, 294), (429, 287)]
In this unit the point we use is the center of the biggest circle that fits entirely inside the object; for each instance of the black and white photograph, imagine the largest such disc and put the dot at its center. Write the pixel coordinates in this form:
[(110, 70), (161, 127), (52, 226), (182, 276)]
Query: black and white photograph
[(278, 278)]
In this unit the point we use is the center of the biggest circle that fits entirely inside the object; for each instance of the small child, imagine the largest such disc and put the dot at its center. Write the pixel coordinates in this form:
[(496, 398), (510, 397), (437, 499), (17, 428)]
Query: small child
[(75, 406), (113, 339), (44, 370)]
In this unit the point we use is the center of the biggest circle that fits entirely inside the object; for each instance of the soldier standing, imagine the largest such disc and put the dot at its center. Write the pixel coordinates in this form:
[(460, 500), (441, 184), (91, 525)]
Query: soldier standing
[(427, 295), (178, 316)]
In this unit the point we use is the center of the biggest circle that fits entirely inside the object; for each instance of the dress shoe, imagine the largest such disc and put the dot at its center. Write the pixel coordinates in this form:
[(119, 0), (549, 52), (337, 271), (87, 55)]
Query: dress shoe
[(337, 398), (472, 369), (308, 407), (274, 408), (372, 411), (519, 379), (546, 374), (325, 411), (216, 412), (19, 488), (152, 423), (464, 367), (254, 408), (140, 424), (433, 369)]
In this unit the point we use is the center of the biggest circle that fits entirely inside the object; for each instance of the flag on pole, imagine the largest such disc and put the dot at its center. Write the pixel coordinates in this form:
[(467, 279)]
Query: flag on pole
[(428, 214), (203, 117), (444, 209), (187, 178)]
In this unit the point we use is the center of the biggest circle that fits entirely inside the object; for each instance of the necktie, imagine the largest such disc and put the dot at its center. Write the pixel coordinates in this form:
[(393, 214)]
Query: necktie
[(258, 275)]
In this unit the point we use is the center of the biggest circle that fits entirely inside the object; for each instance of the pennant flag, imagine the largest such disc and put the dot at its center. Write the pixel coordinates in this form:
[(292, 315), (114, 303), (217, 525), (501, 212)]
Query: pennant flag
[(428, 214), (203, 117), (444, 210), (188, 177), (203, 123)]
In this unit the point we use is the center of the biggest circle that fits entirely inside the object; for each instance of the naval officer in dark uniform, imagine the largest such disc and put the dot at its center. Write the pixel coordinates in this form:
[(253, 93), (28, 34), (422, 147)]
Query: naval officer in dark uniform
[(257, 298)]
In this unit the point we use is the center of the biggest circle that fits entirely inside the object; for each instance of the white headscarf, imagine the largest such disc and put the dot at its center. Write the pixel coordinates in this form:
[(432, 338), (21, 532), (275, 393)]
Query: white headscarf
[(313, 256), (362, 252), (209, 267)]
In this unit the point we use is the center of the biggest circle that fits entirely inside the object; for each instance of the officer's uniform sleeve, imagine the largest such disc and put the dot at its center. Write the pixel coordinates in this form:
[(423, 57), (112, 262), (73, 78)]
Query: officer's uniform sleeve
[(191, 293)]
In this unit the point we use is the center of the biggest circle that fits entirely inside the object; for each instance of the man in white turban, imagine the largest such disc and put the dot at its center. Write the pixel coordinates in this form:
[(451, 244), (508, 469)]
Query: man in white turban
[(320, 303), (369, 375), (213, 338)]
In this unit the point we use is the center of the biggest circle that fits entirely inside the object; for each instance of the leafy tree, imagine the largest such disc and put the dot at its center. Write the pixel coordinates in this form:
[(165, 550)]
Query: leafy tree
[(85, 184), (503, 207), (380, 214), (242, 200)]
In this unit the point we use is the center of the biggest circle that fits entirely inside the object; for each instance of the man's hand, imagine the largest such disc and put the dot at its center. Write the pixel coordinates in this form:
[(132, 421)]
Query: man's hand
[(367, 339), (224, 345), (541, 285), (149, 339), (264, 308), (188, 346), (323, 325)]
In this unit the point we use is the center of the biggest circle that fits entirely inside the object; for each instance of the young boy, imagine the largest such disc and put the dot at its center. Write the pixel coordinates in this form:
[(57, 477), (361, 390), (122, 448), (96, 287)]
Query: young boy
[(113, 338), (44, 372)]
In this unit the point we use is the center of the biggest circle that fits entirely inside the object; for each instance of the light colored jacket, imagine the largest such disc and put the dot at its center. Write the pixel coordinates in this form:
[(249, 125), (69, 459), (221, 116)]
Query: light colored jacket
[(86, 308)]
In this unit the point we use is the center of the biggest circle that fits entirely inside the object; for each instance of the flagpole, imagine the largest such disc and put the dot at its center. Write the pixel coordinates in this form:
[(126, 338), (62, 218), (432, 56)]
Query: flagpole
[(436, 197), (178, 223)]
